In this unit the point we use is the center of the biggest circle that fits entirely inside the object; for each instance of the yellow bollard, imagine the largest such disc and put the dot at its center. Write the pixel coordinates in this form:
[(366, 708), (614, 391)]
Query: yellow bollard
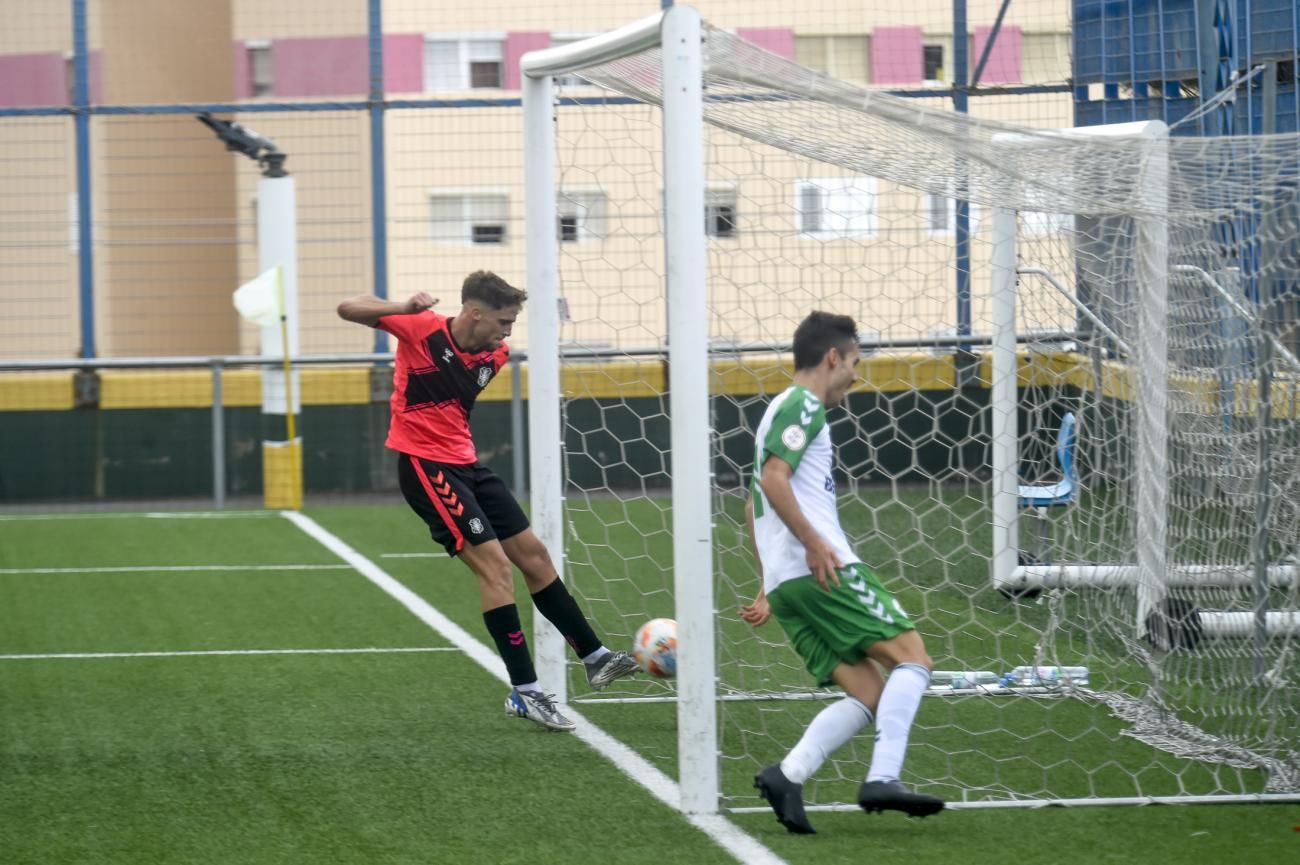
[(282, 474)]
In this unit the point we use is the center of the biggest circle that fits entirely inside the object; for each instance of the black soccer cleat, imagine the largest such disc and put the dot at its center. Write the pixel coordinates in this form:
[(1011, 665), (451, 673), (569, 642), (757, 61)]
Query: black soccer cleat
[(786, 799), (877, 796)]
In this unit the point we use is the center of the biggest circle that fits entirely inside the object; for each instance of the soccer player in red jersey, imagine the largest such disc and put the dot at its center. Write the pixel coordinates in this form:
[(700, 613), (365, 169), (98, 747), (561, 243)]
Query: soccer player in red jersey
[(442, 365)]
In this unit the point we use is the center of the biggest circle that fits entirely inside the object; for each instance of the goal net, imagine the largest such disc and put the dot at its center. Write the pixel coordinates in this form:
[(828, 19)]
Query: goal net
[(1150, 306)]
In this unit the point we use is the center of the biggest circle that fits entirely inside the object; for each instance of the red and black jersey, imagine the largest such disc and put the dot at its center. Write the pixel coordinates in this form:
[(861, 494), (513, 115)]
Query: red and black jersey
[(435, 384)]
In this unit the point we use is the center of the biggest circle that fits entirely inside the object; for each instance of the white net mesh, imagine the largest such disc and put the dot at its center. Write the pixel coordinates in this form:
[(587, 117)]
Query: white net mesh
[(825, 196)]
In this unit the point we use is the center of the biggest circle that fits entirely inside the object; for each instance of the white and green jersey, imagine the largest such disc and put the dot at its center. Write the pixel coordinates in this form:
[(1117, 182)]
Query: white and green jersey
[(794, 428)]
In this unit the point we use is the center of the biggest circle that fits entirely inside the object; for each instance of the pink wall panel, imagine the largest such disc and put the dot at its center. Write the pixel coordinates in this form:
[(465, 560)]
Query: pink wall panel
[(243, 71), (1003, 65), (328, 66), (897, 56), (28, 80), (404, 63), (778, 40), (517, 45)]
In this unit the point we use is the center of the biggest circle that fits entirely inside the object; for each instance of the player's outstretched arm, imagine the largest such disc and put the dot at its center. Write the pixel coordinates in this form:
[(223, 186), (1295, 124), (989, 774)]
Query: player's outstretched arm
[(367, 309)]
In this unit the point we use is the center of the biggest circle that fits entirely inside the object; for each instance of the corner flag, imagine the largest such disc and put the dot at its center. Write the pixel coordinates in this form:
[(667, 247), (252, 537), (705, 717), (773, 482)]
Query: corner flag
[(260, 301)]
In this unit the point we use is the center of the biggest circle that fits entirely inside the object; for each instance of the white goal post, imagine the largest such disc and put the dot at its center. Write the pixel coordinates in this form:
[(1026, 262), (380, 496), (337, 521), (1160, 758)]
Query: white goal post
[(678, 31)]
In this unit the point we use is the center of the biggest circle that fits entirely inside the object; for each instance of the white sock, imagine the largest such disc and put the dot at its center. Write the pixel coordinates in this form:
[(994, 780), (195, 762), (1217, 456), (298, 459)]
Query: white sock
[(833, 726), (596, 655), (531, 686), (894, 717)]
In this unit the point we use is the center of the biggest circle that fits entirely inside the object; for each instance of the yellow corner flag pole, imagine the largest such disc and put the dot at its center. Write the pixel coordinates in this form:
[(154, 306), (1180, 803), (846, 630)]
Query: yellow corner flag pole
[(295, 475), (288, 366)]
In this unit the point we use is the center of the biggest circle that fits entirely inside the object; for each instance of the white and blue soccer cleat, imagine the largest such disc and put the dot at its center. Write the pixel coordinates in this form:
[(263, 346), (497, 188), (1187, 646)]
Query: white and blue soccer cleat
[(538, 708)]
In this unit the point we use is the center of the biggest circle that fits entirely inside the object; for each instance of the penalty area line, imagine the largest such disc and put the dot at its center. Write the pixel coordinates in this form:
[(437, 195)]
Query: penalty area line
[(138, 515), (727, 835), (372, 650), (131, 569)]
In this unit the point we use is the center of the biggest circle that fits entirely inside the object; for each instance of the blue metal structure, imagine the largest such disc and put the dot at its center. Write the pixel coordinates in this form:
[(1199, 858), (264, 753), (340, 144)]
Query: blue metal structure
[(1162, 59), (85, 236), (378, 196), (961, 104), (1206, 68)]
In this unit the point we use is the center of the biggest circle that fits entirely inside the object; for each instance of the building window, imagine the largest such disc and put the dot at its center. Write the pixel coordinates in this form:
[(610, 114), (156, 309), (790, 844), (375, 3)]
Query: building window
[(808, 207), (581, 215), (484, 73), (473, 216), (933, 62), (488, 233), (834, 207), (463, 63), (568, 228), (260, 79), (939, 212), (1045, 58), (843, 57), (720, 212)]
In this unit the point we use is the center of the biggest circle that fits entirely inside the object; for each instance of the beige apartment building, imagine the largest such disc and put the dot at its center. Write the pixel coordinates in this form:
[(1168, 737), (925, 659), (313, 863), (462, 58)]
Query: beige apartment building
[(174, 214)]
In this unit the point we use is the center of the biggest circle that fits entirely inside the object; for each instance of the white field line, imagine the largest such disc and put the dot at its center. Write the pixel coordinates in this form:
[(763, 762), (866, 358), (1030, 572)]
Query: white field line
[(131, 569), (743, 846), (135, 515), (224, 652)]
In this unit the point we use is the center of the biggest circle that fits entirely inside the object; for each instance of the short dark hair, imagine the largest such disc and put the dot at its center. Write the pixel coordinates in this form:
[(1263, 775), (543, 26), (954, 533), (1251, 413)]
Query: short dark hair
[(819, 333), (490, 289)]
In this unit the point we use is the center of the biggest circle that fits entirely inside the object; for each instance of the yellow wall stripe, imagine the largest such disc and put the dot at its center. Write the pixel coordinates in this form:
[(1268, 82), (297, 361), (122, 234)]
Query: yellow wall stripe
[(36, 391), (627, 379)]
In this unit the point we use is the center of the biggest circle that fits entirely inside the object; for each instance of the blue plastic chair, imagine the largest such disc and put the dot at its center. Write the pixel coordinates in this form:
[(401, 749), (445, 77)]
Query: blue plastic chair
[(1039, 497), (1062, 492)]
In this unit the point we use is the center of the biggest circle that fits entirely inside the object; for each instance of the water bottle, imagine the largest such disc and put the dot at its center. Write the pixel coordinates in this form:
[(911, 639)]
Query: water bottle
[(959, 679), (1048, 676)]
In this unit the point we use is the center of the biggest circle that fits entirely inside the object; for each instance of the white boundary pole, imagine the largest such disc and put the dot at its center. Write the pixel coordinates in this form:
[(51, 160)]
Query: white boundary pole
[(277, 244), (545, 436), (686, 265), (1003, 400)]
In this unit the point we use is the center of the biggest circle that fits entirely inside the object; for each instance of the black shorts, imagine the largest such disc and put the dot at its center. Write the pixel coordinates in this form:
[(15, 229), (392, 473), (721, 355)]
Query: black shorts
[(462, 504)]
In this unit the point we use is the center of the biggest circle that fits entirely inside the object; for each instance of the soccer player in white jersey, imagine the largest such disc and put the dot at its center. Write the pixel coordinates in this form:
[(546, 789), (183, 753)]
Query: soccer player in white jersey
[(837, 615)]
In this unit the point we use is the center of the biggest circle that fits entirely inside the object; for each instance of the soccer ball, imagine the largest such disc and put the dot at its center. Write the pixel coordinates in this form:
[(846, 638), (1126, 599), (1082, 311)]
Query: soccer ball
[(655, 648)]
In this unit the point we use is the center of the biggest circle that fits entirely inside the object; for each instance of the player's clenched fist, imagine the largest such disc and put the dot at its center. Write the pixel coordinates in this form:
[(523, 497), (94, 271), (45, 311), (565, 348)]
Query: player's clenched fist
[(419, 302)]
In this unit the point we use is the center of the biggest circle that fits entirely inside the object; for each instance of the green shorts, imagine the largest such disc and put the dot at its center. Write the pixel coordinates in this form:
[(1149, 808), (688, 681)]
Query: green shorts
[(830, 628)]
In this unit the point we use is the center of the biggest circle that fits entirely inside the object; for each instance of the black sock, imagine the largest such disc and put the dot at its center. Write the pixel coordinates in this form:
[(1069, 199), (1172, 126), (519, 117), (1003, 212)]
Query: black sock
[(503, 624), (557, 605)]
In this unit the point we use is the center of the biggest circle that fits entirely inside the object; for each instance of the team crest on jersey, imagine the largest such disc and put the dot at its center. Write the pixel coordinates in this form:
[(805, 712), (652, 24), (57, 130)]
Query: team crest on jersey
[(476, 526), (446, 354), (484, 376), (794, 437)]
